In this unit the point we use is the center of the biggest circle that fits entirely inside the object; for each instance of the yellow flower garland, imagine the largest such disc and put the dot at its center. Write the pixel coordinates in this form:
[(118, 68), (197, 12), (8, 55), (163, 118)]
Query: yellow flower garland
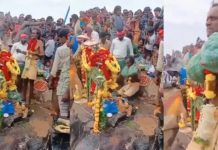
[(3, 90), (113, 65), (13, 67), (84, 61), (210, 86)]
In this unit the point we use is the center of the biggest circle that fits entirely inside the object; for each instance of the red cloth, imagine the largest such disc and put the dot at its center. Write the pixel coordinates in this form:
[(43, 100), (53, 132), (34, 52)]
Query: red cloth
[(5, 57), (32, 45)]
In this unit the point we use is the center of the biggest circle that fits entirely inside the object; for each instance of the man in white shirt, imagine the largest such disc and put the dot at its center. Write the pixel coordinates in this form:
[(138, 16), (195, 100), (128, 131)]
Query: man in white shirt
[(121, 47), (61, 68), (18, 51), (75, 21), (49, 48), (150, 41), (93, 35)]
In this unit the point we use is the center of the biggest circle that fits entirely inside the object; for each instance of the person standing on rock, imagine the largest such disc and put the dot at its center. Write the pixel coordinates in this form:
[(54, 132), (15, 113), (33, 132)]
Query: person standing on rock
[(121, 47), (35, 52), (61, 68), (19, 51)]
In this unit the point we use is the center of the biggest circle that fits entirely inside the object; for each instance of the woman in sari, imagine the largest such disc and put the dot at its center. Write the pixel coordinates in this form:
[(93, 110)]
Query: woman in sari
[(34, 53)]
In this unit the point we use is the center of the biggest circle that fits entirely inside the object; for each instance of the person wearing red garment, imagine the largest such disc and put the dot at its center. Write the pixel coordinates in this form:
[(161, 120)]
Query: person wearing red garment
[(35, 51)]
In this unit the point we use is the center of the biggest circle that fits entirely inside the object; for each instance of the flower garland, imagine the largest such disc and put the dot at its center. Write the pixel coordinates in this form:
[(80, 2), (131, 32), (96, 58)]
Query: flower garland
[(204, 134), (9, 69), (210, 85), (3, 86), (13, 67), (107, 64), (194, 103), (206, 126), (5, 57)]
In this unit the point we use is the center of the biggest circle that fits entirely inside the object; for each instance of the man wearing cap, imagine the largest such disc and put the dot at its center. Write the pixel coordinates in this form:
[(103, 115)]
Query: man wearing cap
[(121, 47), (19, 51)]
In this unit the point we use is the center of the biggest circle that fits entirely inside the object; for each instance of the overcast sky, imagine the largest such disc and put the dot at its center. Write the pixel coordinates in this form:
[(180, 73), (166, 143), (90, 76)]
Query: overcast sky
[(58, 8), (184, 19), (184, 22)]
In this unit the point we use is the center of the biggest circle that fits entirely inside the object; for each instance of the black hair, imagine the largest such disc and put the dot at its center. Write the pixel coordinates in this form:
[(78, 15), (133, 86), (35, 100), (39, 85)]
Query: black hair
[(151, 31), (52, 35), (75, 16), (49, 18), (156, 45), (27, 17), (116, 8), (147, 9), (120, 30), (131, 12), (131, 59), (130, 36), (134, 77), (38, 32), (103, 34), (63, 32), (157, 9)]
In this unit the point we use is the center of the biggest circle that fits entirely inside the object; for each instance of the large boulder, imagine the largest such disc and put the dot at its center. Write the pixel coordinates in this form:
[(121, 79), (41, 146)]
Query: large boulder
[(114, 137)]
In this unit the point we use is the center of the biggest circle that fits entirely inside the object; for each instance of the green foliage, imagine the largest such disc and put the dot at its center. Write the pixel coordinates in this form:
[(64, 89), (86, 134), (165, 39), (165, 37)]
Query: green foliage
[(103, 120)]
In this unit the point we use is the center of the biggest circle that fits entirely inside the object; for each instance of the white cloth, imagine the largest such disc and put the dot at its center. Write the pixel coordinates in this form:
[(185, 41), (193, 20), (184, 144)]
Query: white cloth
[(151, 69), (19, 56), (160, 61), (64, 107), (95, 36), (62, 52), (77, 28), (62, 63), (151, 42), (50, 47), (120, 48)]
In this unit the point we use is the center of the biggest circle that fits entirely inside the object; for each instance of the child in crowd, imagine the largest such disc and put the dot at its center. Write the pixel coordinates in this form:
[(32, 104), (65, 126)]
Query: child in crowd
[(149, 66), (47, 69)]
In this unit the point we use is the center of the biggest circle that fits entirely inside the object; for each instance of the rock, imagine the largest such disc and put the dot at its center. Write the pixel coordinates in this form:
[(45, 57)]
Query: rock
[(114, 120), (9, 121), (35, 144), (120, 135), (141, 143), (89, 142), (60, 141), (81, 120), (9, 143)]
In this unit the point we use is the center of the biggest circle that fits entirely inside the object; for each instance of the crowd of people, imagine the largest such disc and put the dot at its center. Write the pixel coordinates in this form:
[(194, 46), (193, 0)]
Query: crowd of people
[(177, 61), (45, 44)]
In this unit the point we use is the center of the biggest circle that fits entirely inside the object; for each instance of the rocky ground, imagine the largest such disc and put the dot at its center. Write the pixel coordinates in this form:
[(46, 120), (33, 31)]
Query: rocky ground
[(35, 127), (133, 133)]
